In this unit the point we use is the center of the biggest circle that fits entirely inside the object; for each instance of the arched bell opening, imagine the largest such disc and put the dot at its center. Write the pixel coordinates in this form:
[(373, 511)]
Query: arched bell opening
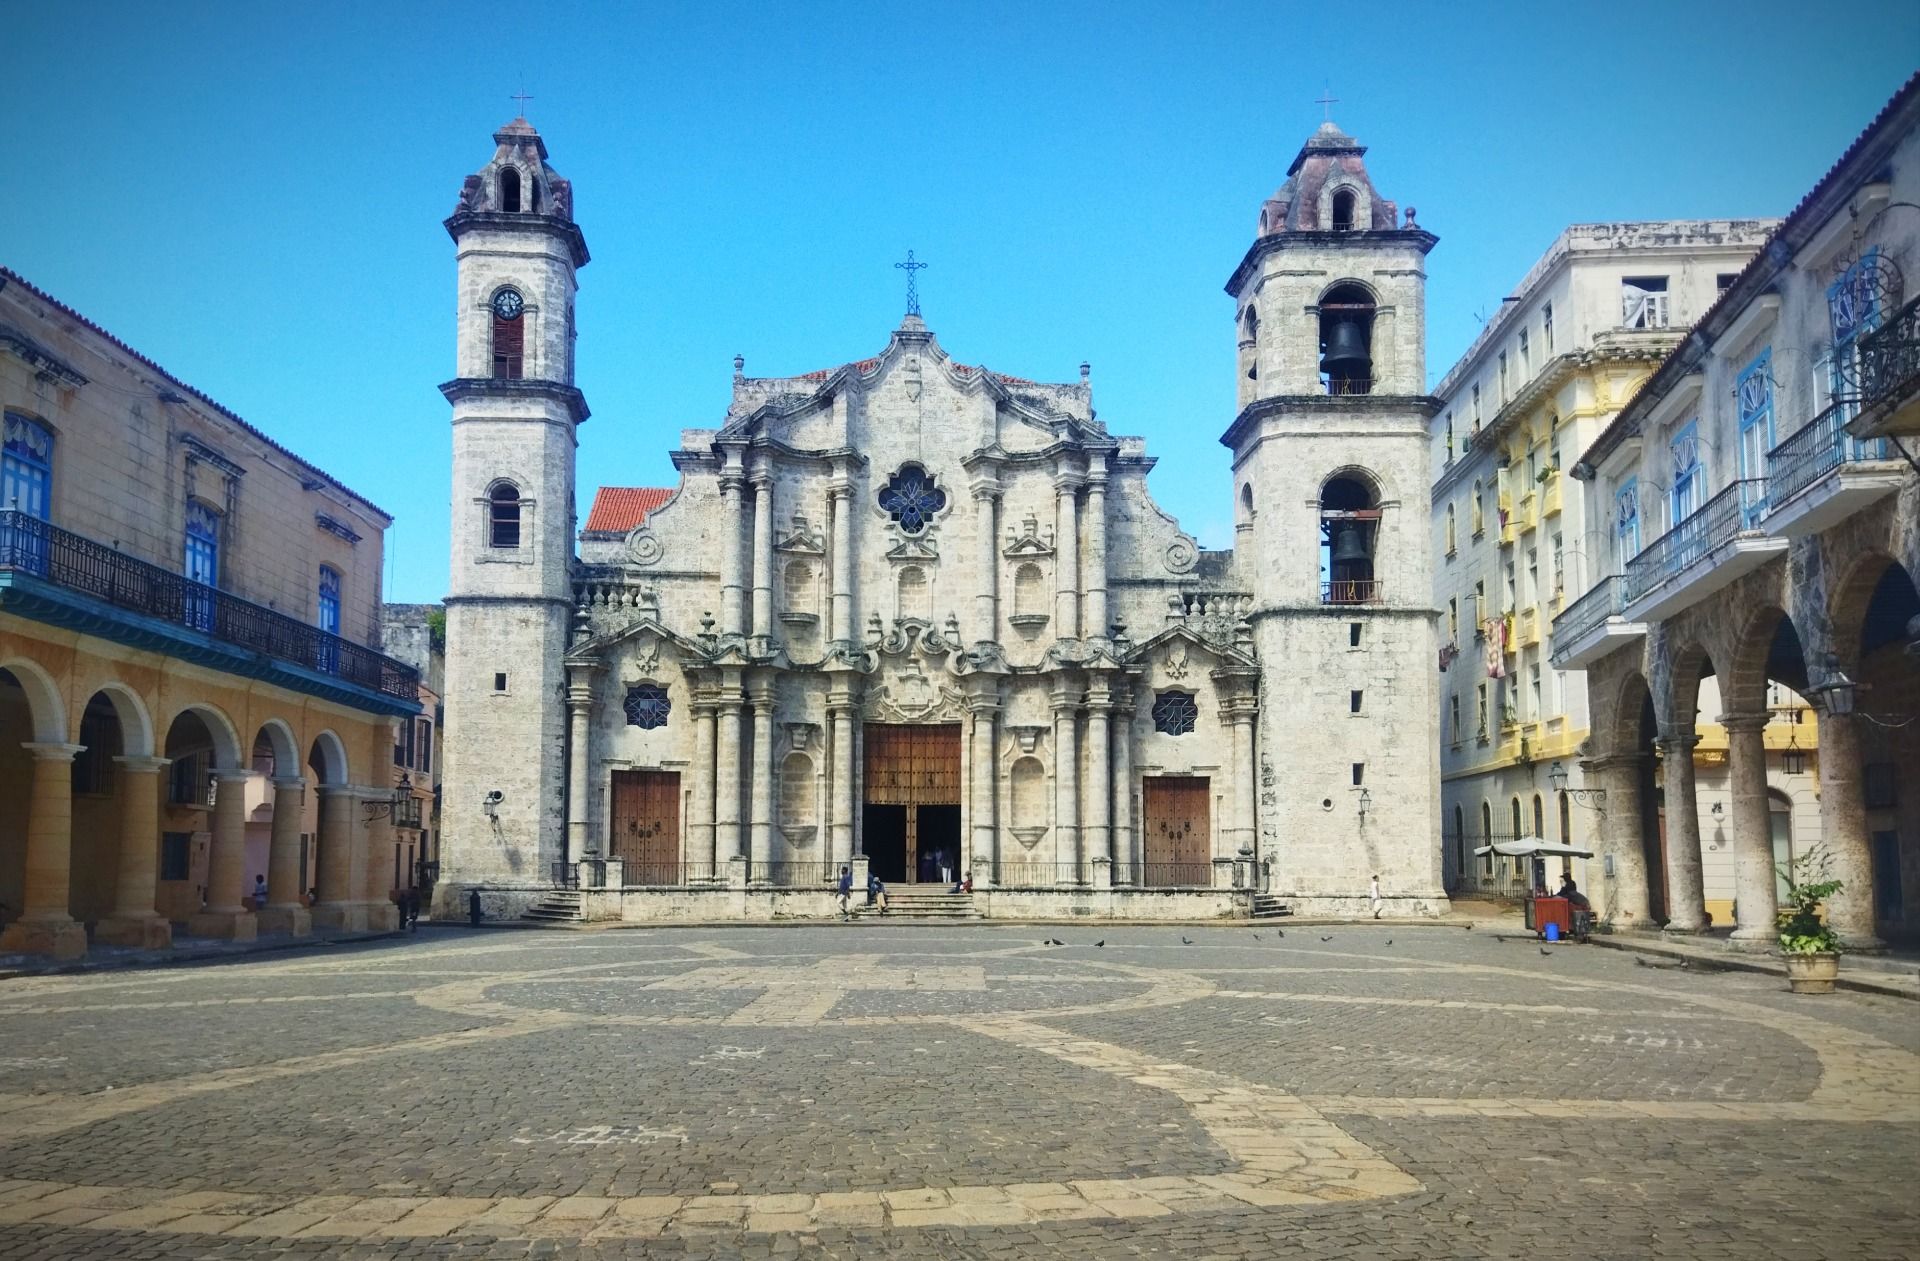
[(1349, 533), (1346, 340)]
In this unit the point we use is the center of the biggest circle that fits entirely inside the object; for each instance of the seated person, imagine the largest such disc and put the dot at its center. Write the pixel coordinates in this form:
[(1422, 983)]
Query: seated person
[(1572, 894)]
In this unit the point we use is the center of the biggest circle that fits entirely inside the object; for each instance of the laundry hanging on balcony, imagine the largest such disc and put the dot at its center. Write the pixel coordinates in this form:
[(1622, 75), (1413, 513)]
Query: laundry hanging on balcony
[(1496, 629)]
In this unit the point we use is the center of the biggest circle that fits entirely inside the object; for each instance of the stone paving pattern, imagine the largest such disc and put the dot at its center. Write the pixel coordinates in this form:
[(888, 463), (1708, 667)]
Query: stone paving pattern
[(942, 1091)]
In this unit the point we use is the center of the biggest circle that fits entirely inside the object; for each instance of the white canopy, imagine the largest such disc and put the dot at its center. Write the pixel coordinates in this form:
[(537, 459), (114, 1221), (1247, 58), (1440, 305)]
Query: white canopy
[(1528, 846)]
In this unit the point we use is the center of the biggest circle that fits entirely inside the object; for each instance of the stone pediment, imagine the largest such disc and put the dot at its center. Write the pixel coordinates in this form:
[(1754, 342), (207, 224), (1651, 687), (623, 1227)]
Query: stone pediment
[(1181, 652), (1028, 540), (802, 538), (644, 637)]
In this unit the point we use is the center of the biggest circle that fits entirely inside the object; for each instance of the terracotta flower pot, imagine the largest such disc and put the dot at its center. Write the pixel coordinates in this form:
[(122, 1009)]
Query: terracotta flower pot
[(1812, 973)]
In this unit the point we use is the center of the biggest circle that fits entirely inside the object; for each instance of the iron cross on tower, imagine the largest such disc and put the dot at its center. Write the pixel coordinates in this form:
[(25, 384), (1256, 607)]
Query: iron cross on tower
[(1326, 101), (913, 284), (522, 97)]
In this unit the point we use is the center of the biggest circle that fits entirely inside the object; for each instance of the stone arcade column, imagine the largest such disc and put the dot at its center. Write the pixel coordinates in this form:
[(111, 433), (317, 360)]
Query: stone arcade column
[(226, 913), (983, 709), (986, 600), (761, 695), (1098, 799), (1126, 849), (840, 507), (1843, 833), (1245, 786), (1066, 778), (700, 828), (336, 908), (134, 921), (1095, 578), (376, 866), (726, 799), (840, 808), (44, 926), (1066, 543), (579, 762), (1623, 902), (285, 913), (762, 557), (733, 557), (1686, 888), (1753, 878)]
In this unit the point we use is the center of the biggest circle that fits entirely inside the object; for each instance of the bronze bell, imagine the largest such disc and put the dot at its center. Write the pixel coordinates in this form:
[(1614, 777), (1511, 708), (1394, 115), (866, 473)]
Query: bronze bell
[(1349, 546), (1346, 353)]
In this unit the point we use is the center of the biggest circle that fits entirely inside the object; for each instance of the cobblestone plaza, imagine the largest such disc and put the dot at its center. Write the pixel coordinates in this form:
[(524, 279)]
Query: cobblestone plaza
[(933, 1091)]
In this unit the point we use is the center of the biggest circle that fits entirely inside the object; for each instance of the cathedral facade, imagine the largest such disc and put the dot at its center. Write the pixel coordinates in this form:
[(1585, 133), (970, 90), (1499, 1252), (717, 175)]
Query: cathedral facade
[(921, 618)]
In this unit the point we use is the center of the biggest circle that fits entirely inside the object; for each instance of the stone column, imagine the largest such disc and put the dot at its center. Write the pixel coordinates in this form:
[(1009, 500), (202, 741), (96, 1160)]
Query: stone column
[(840, 507), (1623, 901), (1126, 849), (134, 921), (732, 554), (700, 832), (1066, 543), (1097, 801), (727, 836), (1095, 577), (986, 601), (226, 913), (762, 557), (284, 912), (764, 774), (1686, 909), (1066, 777), (841, 806), (336, 908), (579, 763), (376, 866), (1753, 876), (44, 926), (1245, 778), (1843, 833), (984, 708)]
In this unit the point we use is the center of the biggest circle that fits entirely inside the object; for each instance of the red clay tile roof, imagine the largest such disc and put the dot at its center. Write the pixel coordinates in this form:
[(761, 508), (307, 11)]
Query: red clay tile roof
[(617, 509)]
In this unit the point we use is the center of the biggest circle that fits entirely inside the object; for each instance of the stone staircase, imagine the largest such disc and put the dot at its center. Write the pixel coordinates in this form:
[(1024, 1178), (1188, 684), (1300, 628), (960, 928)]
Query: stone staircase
[(925, 902), (1269, 906), (561, 906)]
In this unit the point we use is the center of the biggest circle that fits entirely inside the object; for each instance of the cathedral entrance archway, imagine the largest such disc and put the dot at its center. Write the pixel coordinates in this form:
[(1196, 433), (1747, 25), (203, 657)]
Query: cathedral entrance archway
[(646, 825), (1179, 831), (910, 820)]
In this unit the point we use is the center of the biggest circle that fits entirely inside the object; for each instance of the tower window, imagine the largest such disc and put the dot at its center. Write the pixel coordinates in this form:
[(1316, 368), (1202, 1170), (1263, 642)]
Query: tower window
[(509, 335), (1353, 634), (503, 516), (1343, 210), (1349, 525), (1346, 340), (510, 190), (500, 681), (1359, 773), (1353, 701)]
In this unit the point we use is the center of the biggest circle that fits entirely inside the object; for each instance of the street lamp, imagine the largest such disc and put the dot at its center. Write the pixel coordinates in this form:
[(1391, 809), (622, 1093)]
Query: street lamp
[(382, 809), (1366, 803), (1591, 798), (1839, 691)]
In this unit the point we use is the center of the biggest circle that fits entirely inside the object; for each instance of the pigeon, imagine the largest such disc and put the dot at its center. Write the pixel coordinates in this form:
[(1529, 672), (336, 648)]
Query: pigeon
[(1328, 937), (1389, 941), (1185, 940), (1055, 941), (1279, 932), (1469, 927), (1101, 942), (1256, 936), (1638, 962), (1545, 951)]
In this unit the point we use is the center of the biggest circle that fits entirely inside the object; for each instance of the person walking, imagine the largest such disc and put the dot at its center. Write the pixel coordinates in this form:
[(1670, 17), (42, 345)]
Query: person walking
[(1373, 896), (845, 889)]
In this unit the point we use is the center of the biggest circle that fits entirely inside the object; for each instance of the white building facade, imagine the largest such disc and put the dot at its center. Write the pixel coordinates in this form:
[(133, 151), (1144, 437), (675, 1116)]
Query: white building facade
[(923, 619)]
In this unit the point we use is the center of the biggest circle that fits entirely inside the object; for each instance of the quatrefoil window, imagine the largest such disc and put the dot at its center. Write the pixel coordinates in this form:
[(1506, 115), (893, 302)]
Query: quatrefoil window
[(911, 498), (1174, 713), (647, 706)]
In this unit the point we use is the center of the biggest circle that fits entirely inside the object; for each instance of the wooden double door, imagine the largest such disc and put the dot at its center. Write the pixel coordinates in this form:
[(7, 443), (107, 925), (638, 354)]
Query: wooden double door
[(910, 816), (645, 830), (1179, 831)]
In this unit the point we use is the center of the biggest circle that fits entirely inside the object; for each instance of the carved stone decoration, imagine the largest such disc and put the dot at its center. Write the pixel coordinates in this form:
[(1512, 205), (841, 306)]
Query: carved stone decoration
[(801, 735), (1028, 738), (1182, 555), (1176, 660), (643, 546), (1028, 540), (645, 661), (907, 693)]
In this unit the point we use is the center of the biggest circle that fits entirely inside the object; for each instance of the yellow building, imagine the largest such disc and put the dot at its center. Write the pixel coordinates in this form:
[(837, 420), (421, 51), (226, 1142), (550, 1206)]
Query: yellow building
[(187, 614)]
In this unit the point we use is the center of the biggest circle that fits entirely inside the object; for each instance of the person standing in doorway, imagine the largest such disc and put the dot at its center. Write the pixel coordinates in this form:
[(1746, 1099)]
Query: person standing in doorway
[(259, 892), (845, 889), (1373, 896)]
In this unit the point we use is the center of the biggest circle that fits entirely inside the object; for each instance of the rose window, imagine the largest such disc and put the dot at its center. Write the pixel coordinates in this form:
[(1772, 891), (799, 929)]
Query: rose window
[(1174, 713), (911, 498), (647, 706)]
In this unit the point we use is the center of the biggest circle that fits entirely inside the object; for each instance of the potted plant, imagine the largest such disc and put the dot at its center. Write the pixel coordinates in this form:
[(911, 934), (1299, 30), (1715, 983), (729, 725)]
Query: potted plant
[(1808, 944)]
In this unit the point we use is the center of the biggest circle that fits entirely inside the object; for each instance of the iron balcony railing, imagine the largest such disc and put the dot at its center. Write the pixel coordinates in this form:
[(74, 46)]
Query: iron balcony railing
[(69, 561), (1590, 611), (793, 874), (1352, 591), (1816, 449), (1187, 875), (1732, 512), (1890, 357)]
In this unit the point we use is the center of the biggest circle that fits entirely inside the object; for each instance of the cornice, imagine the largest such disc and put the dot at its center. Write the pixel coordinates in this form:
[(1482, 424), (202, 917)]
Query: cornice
[(461, 222), (1276, 242), (1328, 404), (463, 389)]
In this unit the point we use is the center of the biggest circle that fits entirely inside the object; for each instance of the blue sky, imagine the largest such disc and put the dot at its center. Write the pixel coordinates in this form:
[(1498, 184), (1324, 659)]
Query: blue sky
[(252, 194)]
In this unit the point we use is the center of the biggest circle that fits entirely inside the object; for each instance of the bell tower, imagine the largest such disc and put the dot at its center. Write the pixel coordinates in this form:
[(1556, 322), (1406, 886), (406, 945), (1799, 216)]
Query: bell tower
[(1330, 493), (516, 411)]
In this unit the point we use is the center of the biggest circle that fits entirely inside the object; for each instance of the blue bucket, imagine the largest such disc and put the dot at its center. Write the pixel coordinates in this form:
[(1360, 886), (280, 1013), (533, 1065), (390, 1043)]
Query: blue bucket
[(1553, 932)]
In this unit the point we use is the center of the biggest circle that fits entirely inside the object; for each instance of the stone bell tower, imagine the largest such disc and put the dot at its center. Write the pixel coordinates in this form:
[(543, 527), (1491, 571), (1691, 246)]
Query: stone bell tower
[(515, 414), (1330, 498)]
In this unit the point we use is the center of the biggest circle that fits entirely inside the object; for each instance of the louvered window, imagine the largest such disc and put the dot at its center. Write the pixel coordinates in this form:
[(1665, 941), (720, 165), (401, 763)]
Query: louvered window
[(508, 340)]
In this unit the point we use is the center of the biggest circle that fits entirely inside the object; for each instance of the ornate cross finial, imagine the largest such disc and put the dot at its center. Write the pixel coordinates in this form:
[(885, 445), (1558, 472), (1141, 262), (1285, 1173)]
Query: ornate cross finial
[(1326, 101), (913, 286), (522, 97)]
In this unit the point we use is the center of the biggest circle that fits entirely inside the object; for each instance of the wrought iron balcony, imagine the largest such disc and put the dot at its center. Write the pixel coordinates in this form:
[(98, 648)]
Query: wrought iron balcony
[(1822, 473), (1352, 591), (69, 562), (1715, 533), (1589, 612), (1890, 357)]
